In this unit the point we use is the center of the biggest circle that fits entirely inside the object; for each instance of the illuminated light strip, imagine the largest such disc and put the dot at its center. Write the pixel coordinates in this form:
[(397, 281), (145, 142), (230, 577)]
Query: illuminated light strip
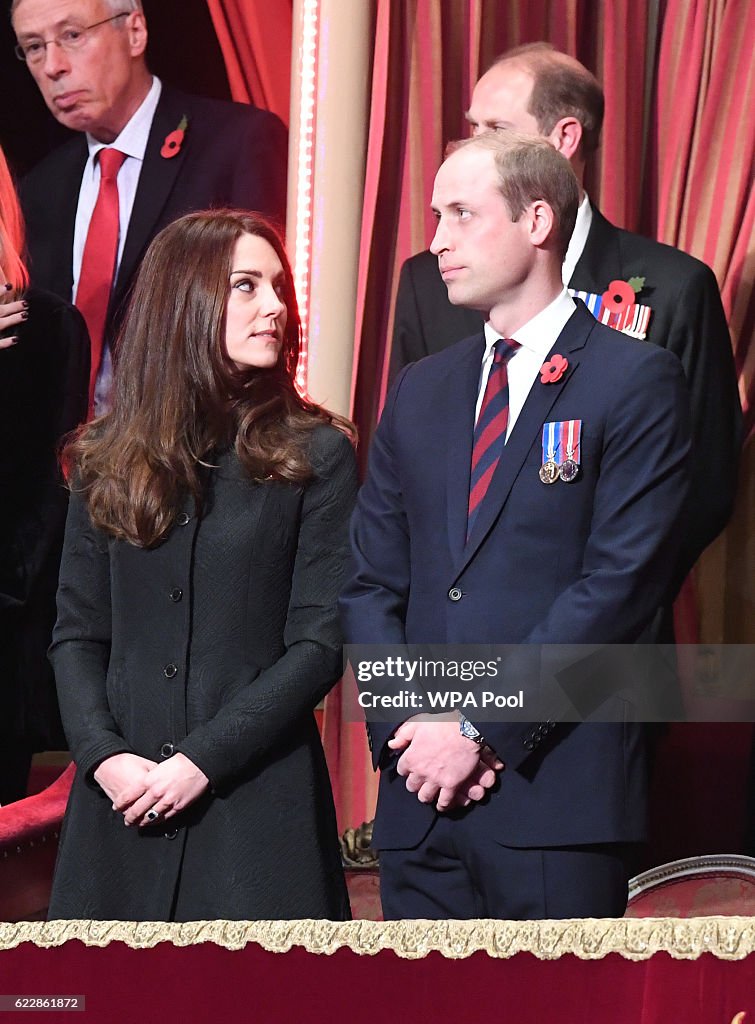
[(310, 11)]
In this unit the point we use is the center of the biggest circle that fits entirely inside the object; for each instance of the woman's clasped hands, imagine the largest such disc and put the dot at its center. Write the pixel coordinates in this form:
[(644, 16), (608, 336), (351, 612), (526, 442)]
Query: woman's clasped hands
[(144, 791)]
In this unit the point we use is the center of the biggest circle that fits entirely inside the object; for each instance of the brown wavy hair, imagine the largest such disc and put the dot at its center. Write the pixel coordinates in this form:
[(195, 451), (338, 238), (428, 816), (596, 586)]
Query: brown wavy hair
[(178, 398)]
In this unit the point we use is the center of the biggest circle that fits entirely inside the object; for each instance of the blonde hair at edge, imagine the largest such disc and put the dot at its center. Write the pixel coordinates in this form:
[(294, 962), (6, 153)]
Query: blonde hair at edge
[(12, 269)]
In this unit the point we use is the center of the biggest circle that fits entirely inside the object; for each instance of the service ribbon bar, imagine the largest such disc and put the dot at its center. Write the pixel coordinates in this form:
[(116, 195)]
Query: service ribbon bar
[(631, 319)]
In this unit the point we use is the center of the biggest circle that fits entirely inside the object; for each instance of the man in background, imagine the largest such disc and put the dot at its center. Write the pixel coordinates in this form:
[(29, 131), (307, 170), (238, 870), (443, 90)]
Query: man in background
[(539, 91), (146, 155)]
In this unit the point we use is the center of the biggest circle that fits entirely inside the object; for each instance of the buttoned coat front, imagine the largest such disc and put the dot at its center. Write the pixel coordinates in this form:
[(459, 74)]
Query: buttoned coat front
[(217, 643)]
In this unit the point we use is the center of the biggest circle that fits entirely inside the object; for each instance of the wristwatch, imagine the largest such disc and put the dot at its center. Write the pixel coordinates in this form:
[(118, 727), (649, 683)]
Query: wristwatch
[(467, 729)]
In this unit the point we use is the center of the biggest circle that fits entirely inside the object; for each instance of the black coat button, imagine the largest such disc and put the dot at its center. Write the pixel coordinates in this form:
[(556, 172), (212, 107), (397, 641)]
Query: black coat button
[(170, 670), (166, 750), (171, 834), (528, 745), (454, 594), (176, 594), (183, 518)]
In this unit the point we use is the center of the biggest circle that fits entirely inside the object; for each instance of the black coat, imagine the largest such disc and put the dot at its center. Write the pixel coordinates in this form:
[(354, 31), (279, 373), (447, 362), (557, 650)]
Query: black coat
[(43, 395), (232, 154), (218, 643), (687, 318)]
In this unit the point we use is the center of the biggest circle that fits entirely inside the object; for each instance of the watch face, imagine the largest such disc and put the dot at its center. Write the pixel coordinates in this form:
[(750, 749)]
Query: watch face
[(467, 729)]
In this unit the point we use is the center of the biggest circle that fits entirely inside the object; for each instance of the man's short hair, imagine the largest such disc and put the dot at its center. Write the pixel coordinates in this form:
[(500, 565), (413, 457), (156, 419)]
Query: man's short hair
[(529, 168), (562, 87)]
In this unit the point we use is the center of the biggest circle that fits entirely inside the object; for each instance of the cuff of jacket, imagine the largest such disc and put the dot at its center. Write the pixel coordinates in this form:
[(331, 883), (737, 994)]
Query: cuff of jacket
[(212, 766), (89, 760)]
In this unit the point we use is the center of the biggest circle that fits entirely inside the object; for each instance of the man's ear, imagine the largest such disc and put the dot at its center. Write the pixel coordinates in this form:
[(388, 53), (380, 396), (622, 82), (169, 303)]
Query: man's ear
[(136, 26), (566, 136), (541, 222)]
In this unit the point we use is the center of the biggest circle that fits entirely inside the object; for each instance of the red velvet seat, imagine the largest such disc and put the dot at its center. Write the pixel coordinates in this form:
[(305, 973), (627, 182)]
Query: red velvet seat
[(29, 832), (695, 887)]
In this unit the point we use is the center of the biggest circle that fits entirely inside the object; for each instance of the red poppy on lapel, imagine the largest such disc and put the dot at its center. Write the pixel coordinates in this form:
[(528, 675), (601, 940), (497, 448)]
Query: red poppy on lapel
[(618, 295), (174, 140), (554, 369)]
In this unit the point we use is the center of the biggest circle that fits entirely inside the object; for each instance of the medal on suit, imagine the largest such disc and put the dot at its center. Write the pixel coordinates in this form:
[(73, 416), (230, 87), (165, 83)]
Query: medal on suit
[(617, 307), (549, 470), (571, 431)]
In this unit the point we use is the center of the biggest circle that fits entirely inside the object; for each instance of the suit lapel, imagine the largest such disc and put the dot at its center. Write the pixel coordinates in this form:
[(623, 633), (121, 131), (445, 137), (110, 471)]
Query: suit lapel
[(156, 182), (526, 431), (62, 219), (462, 386), (600, 262)]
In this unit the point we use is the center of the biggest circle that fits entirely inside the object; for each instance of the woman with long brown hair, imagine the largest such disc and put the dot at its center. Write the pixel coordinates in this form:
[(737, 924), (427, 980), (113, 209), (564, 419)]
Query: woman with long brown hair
[(44, 367), (197, 625)]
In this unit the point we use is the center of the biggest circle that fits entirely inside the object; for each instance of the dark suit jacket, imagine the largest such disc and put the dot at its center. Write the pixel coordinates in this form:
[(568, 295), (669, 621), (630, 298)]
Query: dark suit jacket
[(232, 155), (687, 319), (44, 381), (580, 563), (218, 643)]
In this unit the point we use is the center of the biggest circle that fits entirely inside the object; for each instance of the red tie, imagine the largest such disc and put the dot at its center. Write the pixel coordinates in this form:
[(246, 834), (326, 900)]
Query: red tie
[(490, 429), (98, 261)]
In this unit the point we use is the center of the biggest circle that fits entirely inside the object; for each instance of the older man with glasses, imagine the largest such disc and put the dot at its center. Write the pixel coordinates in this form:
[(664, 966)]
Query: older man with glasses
[(147, 154)]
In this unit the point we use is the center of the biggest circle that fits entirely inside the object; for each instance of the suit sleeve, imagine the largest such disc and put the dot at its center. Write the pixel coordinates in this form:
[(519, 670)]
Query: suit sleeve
[(634, 538), (374, 600), (409, 342), (258, 719), (699, 336), (35, 535), (80, 650), (261, 166)]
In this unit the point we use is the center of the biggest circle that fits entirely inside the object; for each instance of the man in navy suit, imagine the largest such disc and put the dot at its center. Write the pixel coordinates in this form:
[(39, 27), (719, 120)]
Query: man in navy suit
[(183, 152), (503, 819), (540, 91)]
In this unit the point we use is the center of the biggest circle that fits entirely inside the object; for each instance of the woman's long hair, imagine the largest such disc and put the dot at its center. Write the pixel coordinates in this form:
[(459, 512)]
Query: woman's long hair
[(12, 267), (178, 397)]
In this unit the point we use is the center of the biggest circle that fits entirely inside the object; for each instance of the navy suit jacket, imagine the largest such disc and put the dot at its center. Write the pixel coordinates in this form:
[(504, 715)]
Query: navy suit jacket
[(687, 319), (232, 155), (580, 563)]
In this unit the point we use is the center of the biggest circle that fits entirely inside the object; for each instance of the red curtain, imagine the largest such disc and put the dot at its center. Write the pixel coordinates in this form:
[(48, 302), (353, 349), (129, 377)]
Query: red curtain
[(256, 42)]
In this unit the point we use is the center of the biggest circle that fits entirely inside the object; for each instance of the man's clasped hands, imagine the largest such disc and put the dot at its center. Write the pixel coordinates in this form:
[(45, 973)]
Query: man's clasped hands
[(441, 765)]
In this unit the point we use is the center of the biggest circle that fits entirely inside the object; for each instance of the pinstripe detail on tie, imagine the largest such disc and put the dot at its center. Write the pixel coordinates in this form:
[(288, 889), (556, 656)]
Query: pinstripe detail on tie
[(490, 429)]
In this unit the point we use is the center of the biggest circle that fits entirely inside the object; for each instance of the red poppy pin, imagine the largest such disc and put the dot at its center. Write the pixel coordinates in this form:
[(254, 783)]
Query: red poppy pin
[(620, 294), (554, 369), (174, 140)]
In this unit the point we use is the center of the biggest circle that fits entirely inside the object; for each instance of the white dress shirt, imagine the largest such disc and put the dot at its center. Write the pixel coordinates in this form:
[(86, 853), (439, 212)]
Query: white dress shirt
[(578, 239), (133, 142), (536, 338)]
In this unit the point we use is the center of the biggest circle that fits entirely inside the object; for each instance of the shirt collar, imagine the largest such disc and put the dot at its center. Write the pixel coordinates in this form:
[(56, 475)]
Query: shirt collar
[(133, 138), (538, 334), (578, 239)]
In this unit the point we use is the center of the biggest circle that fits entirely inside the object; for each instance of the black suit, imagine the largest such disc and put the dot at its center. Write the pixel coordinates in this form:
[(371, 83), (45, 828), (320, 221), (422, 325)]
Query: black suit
[(43, 396), (232, 155), (687, 318)]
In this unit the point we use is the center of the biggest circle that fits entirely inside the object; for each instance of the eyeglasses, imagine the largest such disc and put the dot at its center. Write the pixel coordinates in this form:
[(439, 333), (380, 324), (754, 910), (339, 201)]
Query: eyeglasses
[(70, 40)]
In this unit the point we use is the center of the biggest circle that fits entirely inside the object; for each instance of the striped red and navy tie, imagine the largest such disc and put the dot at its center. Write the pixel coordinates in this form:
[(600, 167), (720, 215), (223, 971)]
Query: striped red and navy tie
[(490, 429)]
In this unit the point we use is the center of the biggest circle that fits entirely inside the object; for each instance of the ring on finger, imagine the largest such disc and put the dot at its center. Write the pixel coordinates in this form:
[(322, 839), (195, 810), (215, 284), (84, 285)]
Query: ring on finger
[(152, 814)]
